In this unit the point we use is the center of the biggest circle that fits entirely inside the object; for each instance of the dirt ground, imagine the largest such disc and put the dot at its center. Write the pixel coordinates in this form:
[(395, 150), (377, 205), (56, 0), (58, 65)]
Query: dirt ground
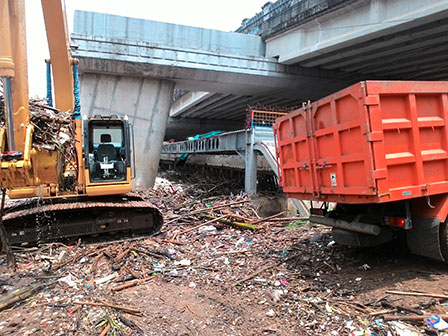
[(202, 276)]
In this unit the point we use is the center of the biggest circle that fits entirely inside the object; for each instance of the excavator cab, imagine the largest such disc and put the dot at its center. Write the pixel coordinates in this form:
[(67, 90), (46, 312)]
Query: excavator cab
[(107, 149)]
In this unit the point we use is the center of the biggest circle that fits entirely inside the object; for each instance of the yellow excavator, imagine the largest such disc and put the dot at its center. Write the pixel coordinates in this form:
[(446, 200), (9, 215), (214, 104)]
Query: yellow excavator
[(81, 186)]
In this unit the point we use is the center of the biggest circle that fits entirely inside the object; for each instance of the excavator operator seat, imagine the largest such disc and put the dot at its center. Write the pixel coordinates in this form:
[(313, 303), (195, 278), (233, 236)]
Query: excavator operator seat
[(106, 150)]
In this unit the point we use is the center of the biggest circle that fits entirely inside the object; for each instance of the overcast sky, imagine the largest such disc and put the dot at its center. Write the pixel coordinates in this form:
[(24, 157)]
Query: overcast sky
[(221, 15)]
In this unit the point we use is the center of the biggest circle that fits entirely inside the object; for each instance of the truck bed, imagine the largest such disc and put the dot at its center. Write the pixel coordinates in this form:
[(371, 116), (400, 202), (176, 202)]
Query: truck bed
[(375, 141)]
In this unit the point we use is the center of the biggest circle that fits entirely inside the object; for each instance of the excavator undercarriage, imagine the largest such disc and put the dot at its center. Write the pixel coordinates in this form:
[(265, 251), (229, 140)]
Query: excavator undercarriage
[(42, 220)]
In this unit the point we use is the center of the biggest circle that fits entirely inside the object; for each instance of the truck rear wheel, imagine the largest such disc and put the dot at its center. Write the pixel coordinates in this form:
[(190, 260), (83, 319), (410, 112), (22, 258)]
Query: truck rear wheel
[(444, 240), (429, 238)]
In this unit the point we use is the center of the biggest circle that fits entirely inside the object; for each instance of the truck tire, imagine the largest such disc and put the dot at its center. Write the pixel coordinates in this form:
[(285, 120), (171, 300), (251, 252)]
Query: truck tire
[(444, 240), (428, 238)]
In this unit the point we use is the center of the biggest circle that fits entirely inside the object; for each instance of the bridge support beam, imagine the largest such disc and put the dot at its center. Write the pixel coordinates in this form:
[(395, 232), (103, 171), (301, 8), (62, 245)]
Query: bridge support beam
[(250, 177), (145, 101)]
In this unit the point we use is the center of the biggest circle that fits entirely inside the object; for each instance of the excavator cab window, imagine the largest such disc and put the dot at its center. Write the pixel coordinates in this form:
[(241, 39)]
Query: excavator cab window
[(107, 148)]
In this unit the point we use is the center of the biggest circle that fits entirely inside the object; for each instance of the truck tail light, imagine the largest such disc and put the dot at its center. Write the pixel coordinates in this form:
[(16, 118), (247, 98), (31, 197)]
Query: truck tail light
[(395, 221)]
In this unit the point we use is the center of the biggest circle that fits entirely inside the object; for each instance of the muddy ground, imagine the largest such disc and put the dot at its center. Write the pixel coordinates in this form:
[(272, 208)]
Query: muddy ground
[(218, 278)]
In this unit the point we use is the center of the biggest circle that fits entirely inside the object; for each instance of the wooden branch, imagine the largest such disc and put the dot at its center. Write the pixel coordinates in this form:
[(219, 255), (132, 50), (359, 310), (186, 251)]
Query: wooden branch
[(434, 295), (78, 256), (253, 275), (226, 221), (382, 312), (122, 255), (132, 272), (200, 225), (288, 219), (132, 283), (190, 203), (214, 208), (234, 215), (130, 324), (170, 241), (400, 307), (411, 318), (105, 330), (110, 305), (21, 294), (268, 218)]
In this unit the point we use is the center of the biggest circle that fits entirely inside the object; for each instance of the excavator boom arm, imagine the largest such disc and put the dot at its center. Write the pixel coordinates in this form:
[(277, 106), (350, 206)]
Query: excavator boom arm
[(14, 70), (60, 55)]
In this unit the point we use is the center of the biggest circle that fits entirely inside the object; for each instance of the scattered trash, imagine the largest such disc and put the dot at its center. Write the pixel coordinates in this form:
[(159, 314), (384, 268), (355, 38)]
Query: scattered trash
[(402, 329), (270, 313), (70, 280), (62, 256), (277, 294), (349, 325), (436, 322), (106, 278), (207, 228), (271, 280), (183, 262), (159, 267), (364, 267)]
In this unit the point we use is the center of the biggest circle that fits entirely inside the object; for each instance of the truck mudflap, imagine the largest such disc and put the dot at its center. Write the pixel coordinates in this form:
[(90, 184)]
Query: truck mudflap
[(44, 220), (428, 238)]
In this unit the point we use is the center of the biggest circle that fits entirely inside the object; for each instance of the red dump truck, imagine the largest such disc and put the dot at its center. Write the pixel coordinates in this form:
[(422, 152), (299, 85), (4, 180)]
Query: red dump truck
[(379, 150)]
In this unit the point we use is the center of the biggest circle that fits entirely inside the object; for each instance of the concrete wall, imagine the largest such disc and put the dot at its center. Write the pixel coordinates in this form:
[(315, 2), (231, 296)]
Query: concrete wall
[(145, 101), (167, 34)]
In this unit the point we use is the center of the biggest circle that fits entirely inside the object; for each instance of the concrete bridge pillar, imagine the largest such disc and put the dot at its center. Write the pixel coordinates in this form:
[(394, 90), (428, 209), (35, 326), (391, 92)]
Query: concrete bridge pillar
[(146, 101)]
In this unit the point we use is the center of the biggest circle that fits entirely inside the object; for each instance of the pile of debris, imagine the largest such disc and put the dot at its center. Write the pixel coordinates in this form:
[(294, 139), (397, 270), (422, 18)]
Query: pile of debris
[(219, 269), (54, 130)]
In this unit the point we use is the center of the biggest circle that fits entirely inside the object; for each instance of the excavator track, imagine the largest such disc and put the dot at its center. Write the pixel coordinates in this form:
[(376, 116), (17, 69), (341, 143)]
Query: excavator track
[(44, 220)]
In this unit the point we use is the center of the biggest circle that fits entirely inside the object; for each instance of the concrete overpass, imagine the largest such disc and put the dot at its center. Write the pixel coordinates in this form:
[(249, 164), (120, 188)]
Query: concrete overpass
[(360, 39), (125, 62), (394, 38)]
